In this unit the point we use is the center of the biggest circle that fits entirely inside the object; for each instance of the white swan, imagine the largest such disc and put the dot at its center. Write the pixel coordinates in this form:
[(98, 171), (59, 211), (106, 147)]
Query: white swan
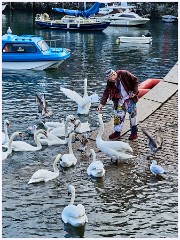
[(96, 168), (84, 103), (74, 214), (54, 124), (112, 148), (68, 159), (66, 129), (81, 127), (9, 149), (51, 139), (5, 137), (43, 175), (156, 169), (23, 146)]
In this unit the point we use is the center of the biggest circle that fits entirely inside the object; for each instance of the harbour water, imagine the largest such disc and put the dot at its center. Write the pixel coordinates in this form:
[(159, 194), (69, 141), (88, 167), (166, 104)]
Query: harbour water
[(121, 205)]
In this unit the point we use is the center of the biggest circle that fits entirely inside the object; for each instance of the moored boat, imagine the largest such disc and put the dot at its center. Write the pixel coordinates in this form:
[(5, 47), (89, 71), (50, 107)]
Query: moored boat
[(30, 52), (125, 18), (71, 23), (169, 18), (73, 20), (137, 40)]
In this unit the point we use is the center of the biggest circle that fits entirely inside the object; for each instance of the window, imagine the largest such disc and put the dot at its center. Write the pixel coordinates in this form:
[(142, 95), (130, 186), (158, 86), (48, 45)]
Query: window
[(19, 48), (43, 45)]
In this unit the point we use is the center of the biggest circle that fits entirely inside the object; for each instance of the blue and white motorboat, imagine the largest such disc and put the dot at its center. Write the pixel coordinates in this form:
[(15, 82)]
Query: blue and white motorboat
[(30, 52), (169, 18)]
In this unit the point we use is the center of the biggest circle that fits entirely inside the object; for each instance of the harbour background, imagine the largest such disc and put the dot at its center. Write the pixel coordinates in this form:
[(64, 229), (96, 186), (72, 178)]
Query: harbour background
[(35, 210)]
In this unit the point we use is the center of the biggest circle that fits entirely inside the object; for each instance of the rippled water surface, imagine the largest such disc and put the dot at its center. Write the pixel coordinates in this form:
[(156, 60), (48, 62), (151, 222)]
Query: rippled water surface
[(129, 201)]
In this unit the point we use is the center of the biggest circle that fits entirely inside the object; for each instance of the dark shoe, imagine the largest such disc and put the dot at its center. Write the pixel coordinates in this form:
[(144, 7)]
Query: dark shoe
[(114, 136), (133, 136)]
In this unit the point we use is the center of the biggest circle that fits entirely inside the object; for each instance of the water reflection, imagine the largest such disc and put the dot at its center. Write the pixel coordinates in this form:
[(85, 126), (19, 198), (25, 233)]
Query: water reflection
[(74, 232)]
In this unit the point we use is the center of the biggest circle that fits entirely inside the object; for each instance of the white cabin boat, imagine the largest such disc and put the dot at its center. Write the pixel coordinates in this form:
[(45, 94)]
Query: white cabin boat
[(125, 18), (137, 40)]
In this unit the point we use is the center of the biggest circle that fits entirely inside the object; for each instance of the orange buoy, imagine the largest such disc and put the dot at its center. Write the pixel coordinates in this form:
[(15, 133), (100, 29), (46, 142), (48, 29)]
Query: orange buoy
[(149, 83), (142, 92)]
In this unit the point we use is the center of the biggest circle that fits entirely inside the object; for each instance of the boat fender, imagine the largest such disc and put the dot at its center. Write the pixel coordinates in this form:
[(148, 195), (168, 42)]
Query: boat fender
[(142, 92), (118, 41), (149, 83), (38, 16), (46, 16)]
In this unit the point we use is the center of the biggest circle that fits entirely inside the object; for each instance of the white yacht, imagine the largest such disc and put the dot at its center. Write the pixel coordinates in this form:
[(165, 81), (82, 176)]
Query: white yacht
[(122, 15), (125, 18)]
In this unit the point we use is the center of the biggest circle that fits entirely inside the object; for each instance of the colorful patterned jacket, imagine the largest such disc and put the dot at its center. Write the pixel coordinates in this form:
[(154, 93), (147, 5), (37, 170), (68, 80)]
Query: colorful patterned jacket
[(129, 82)]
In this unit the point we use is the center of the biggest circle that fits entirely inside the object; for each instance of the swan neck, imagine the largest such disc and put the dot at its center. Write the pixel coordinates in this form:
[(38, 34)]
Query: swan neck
[(93, 156), (56, 170), (11, 140), (6, 132), (72, 198), (66, 128), (85, 88), (37, 140), (70, 144), (101, 129)]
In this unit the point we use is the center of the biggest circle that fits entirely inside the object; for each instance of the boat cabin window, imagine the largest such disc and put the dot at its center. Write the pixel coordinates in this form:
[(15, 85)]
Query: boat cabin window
[(43, 45), (19, 48), (127, 15)]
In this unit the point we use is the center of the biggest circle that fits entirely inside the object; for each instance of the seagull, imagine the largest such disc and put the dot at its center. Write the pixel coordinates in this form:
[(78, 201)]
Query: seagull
[(155, 143), (9, 31), (156, 169), (42, 106)]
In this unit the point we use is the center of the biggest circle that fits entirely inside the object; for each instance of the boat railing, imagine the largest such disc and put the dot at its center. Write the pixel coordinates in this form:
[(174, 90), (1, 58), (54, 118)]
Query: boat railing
[(54, 43)]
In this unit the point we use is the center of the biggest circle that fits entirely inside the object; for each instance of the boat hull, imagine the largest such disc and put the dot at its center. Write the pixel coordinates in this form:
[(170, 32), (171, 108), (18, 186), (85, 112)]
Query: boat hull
[(169, 18), (136, 40), (39, 65), (128, 22), (99, 26)]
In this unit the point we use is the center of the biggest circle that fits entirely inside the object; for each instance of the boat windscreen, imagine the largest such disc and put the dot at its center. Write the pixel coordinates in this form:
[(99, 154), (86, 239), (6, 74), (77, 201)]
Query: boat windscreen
[(43, 45)]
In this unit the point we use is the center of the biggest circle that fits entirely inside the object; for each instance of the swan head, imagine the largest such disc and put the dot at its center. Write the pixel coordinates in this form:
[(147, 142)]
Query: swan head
[(6, 122), (91, 152), (70, 118), (40, 131), (71, 189)]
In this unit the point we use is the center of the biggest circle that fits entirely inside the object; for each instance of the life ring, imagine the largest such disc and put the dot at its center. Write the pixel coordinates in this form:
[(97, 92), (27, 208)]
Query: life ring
[(142, 92), (149, 83)]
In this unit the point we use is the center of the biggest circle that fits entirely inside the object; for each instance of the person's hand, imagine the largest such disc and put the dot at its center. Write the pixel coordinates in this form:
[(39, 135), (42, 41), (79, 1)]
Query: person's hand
[(99, 107)]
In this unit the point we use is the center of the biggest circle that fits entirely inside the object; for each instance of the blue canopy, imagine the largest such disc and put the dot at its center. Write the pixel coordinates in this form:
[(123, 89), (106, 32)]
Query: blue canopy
[(86, 13)]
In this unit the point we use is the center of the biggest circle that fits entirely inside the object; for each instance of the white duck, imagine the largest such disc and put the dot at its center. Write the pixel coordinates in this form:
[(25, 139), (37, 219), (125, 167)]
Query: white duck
[(43, 175), (112, 148), (81, 127), (84, 103), (51, 139), (74, 214), (5, 137), (156, 169), (96, 168), (64, 130), (9, 149), (68, 159), (23, 146)]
